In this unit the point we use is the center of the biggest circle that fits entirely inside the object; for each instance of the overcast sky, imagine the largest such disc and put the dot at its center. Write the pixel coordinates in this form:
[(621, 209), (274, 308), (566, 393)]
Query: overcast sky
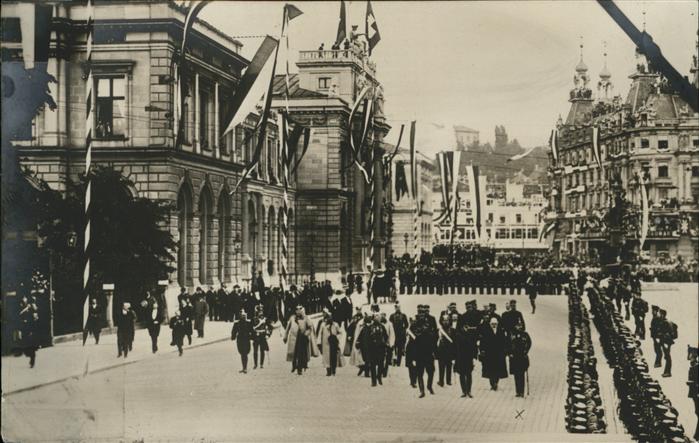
[(479, 64)]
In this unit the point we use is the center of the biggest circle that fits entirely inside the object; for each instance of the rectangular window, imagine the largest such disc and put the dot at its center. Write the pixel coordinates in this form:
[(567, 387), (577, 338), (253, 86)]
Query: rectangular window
[(695, 171), (490, 217), (518, 217), (645, 143), (324, 82), (111, 107), (518, 233), (695, 142), (662, 144), (662, 171), (502, 219)]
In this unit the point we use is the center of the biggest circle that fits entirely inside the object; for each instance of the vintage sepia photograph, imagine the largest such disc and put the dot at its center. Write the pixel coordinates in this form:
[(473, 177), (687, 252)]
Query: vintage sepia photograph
[(349, 221)]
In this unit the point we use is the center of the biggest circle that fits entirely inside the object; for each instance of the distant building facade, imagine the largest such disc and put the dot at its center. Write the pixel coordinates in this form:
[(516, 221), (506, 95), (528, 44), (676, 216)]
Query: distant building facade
[(652, 133), (465, 136)]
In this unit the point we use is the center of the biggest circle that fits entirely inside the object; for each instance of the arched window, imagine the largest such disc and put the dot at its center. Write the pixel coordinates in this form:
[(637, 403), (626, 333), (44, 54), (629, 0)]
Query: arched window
[(224, 229), (205, 222), (184, 218)]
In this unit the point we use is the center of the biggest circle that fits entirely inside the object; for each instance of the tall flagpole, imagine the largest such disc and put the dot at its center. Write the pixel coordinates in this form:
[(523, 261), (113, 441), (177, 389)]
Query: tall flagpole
[(89, 123), (285, 166), (415, 175)]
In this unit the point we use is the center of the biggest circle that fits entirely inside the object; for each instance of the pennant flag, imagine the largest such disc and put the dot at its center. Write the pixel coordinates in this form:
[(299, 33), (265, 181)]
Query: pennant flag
[(522, 155), (444, 180), (397, 148), (307, 132), (595, 146), (401, 180), (545, 232), (644, 208), (291, 12), (372, 29), (414, 183), (252, 86), (342, 25)]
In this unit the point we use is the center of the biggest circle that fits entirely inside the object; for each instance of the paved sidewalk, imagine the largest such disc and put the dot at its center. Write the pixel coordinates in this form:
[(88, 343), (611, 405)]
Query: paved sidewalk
[(71, 360)]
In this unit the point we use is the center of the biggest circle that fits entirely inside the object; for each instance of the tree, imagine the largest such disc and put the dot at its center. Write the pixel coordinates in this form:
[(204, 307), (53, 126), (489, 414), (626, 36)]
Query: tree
[(129, 243)]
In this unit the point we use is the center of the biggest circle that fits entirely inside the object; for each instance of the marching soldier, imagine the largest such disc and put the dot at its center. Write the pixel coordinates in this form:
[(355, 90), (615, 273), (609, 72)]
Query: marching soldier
[(262, 330), (445, 346), (425, 333), (639, 308), (374, 339)]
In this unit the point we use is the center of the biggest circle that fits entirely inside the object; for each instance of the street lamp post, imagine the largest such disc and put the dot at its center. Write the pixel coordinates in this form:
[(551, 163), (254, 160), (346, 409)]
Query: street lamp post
[(405, 240)]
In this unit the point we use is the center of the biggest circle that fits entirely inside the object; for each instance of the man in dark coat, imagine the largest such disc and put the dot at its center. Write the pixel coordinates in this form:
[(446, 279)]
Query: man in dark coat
[(125, 322), (152, 312), (187, 312), (655, 336), (374, 339), (511, 317), (667, 334), (424, 328), (210, 294), (201, 309), (693, 382), (520, 343), (639, 309), (243, 333), (178, 331), (531, 290), (94, 322), (493, 348), (400, 327), (27, 339), (466, 344)]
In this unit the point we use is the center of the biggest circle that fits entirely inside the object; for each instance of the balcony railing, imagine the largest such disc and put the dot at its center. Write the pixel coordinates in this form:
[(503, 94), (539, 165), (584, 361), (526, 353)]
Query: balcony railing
[(342, 55)]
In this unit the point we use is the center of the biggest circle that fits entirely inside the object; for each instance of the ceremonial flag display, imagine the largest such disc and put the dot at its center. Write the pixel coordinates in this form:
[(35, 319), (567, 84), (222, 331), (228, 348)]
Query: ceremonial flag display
[(543, 233), (644, 208), (372, 29), (357, 150), (89, 123), (252, 85), (415, 185), (595, 146), (342, 25)]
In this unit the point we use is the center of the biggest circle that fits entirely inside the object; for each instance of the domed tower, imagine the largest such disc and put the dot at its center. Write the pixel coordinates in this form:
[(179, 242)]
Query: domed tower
[(581, 94), (605, 88)]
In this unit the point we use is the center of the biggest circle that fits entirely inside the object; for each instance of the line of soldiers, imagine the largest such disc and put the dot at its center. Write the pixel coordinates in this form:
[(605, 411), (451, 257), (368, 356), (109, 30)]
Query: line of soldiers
[(441, 280), (584, 411), (643, 407)]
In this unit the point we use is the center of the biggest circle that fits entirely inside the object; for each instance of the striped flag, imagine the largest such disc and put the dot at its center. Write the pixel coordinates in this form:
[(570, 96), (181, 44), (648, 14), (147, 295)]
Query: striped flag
[(455, 166), (89, 123), (595, 146)]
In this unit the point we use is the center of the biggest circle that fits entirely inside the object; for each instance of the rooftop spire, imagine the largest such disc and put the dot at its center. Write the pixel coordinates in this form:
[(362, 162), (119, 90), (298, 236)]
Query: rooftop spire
[(582, 67), (604, 86)]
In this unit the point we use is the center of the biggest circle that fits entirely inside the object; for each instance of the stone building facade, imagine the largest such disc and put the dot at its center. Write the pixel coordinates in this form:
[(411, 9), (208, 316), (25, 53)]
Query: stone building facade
[(222, 237), (652, 133), (332, 232)]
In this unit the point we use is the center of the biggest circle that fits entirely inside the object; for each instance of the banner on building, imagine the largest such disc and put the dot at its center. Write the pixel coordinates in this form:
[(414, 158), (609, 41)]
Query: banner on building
[(644, 208), (342, 25), (553, 144), (372, 29), (596, 146)]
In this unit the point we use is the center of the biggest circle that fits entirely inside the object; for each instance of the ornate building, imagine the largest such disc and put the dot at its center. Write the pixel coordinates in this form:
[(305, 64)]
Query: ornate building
[(651, 134), (332, 231), (222, 237)]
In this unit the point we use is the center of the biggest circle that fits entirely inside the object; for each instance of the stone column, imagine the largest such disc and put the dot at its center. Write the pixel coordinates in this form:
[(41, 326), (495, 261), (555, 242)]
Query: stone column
[(217, 136)]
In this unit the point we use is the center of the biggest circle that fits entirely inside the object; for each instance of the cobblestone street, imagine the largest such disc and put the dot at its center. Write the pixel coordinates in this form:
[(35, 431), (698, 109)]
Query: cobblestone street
[(202, 396)]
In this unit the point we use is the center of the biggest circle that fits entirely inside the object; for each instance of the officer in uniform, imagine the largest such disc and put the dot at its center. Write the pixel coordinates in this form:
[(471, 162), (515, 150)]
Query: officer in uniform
[(655, 335), (243, 332), (639, 309), (668, 335), (512, 317), (424, 330), (466, 342), (400, 327), (374, 338), (520, 343), (262, 329)]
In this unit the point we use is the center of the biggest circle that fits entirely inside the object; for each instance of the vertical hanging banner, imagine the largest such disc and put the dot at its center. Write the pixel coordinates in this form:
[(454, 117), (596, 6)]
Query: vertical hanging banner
[(442, 159), (342, 25), (596, 146), (455, 166), (371, 30), (415, 186), (644, 209), (475, 193), (356, 150), (553, 144)]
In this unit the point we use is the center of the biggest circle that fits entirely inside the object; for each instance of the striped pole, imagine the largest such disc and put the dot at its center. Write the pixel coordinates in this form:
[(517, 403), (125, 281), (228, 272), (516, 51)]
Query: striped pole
[(285, 212), (89, 122), (372, 204)]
